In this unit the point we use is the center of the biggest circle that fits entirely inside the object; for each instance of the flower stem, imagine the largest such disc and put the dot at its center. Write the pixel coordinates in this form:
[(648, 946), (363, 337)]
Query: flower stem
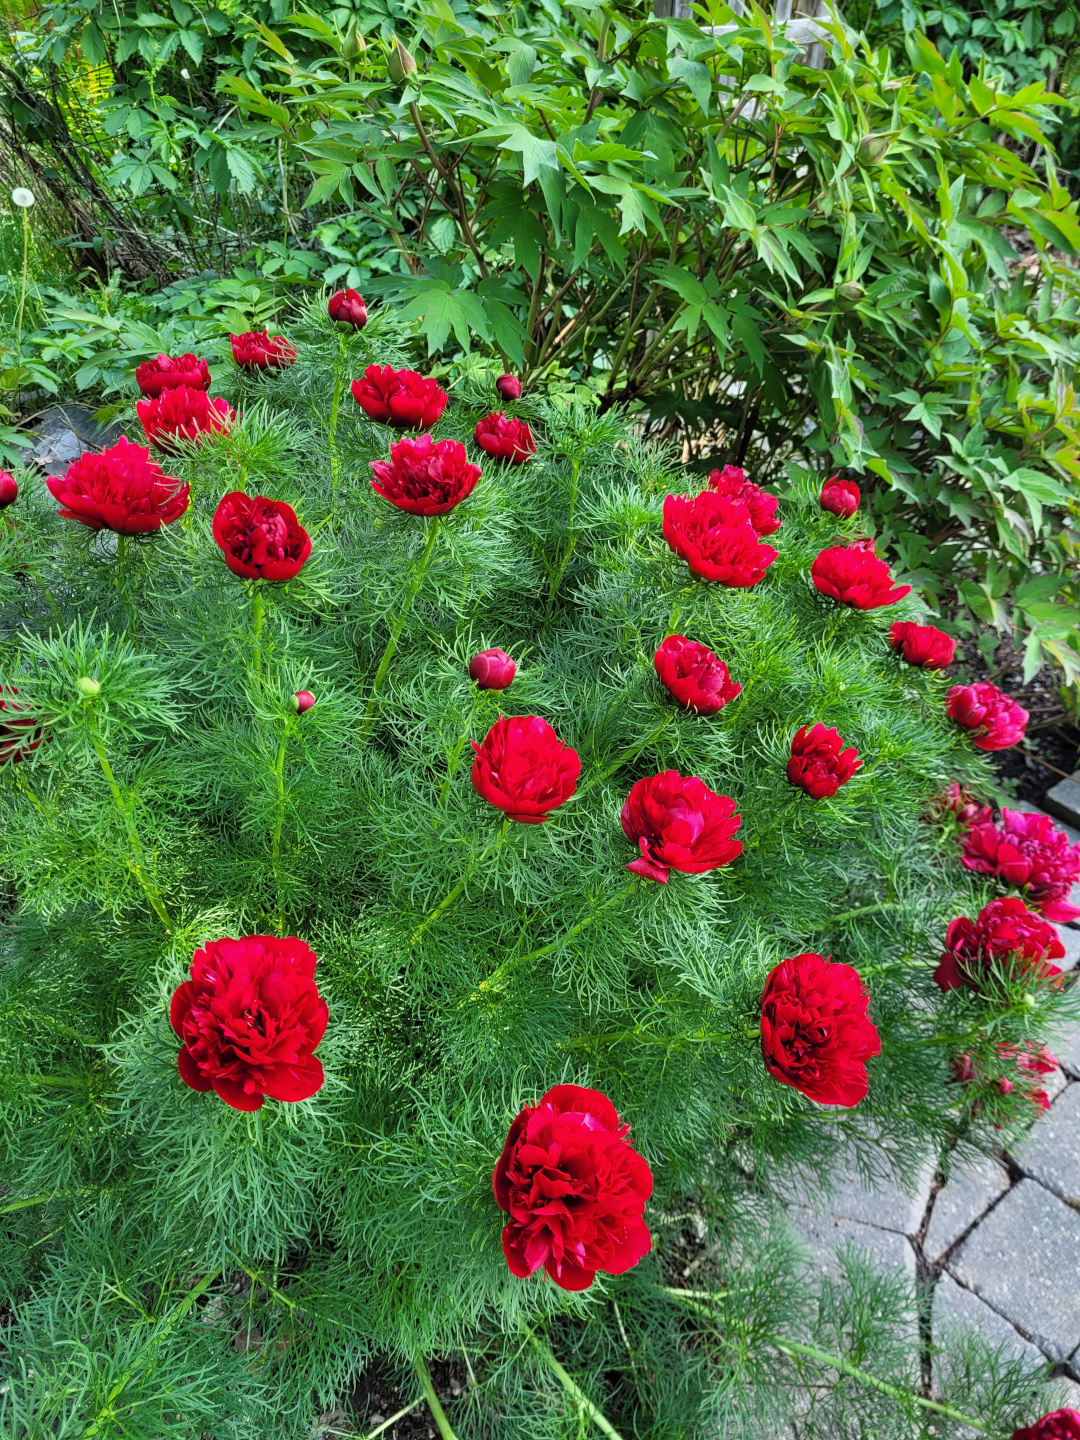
[(574, 1390), (275, 847), (445, 904), (256, 625), (22, 292), (371, 713), (335, 407), (842, 919), (438, 1414)]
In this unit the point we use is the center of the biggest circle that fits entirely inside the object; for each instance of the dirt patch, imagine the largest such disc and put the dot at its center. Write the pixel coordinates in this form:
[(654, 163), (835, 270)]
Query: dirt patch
[(381, 1391)]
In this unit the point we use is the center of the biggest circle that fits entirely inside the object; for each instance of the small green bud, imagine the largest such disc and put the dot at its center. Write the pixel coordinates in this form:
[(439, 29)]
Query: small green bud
[(87, 687), (851, 290), (874, 147), (400, 63), (352, 43), (1028, 1000)]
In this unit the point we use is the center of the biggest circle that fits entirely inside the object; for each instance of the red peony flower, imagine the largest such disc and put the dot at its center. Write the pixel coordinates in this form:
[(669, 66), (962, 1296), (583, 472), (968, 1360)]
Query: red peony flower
[(996, 721), (260, 539), (119, 489), (958, 801), (840, 497), (492, 670), (1006, 931), (9, 491), (425, 476), (20, 734), (922, 645), (732, 484), (815, 1032), (505, 437), (259, 350), (575, 1190), (1026, 851), (715, 537), (183, 414), (819, 763), (1058, 1425), (250, 1018), (853, 575), (695, 676), (399, 397), (347, 307), (1029, 1061), (524, 768), (169, 372), (302, 701), (678, 823), (509, 387)]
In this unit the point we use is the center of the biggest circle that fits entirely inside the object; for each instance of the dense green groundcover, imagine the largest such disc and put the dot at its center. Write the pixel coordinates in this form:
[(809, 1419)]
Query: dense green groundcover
[(174, 1267)]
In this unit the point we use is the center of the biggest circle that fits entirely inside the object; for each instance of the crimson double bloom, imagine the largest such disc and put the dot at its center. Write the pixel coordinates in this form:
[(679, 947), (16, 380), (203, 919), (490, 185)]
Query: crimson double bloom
[(505, 437), (678, 823), (716, 538), (1058, 1425), (524, 769), (425, 476), (819, 763), (259, 350), (183, 414), (260, 539), (1006, 934), (403, 398), (993, 719), (732, 484), (170, 372), (575, 1190), (840, 497), (697, 678), (250, 1018), (853, 575), (119, 489), (815, 1032), (922, 645), (1026, 850), (20, 734), (347, 307)]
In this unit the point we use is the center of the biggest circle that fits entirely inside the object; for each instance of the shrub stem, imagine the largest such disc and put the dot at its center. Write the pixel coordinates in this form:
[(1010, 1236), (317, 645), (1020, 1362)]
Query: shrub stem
[(257, 618), (438, 1414), (445, 904), (275, 846), (595, 1414)]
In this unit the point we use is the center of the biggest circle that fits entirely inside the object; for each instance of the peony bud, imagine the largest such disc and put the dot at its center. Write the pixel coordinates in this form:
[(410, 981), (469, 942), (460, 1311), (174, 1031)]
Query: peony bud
[(509, 387), (874, 147), (400, 63), (840, 497), (87, 687), (346, 307), (352, 43), (1028, 1000), (851, 290), (9, 491), (492, 670), (302, 700)]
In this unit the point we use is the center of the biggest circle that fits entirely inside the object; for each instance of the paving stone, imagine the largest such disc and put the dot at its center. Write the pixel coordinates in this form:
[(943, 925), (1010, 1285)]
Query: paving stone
[(1054, 1084), (956, 1308), (1022, 1261), (1063, 800), (64, 433), (883, 1203), (1070, 938), (823, 1235), (1064, 1045), (1066, 1392), (1051, 1152), (968, 1193)]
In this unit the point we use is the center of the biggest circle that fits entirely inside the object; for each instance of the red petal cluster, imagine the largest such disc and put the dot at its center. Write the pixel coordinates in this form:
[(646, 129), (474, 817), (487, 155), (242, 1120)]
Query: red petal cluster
[(716, 538), (120, 489), (505, 437), (1029, 1061), (20, 734), (425, 476), (260, 539), (509, 387), (347, 307), (1058, 1425), (819, 763), (695, 676), (1006, 933), (815, 1033), (840, 497), (259, 350), (250, 1018), (492, 670), (996, 722), (1026, 850), (853, 575), (958, 801), (524, 768), (575, 1190), (9, 490), (402, 398), (183, 414), (678, 823), (731, 482), (169, 372), (922, 645)]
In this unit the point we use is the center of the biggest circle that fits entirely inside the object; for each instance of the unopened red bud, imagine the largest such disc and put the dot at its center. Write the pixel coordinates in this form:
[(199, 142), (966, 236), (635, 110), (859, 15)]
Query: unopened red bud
[(302, 700), (492, 670), (840, 497), (9, 491), (509, 387), (346, 307)]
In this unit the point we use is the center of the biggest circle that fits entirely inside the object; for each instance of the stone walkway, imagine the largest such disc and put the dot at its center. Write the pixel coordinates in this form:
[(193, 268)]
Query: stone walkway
[(997, 1242)]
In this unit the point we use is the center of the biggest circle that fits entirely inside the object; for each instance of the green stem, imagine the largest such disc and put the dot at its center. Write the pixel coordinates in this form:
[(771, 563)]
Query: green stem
[(574, 1390), (256, 625), (371, 713), (335, 406), (275, 847), (22, 292), (571, 541), (838, 920), (137, 863), (438, 1414), (507, 968), (481, 859)]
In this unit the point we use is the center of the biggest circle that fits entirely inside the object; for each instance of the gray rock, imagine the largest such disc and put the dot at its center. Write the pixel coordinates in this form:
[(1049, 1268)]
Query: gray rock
[(883, 1204), (1022, 1260), (823, 1235), (956, 1308), (968, 1193), (1063, 800), (1065, 1047), (1051, 1152), (64, 433), (1070, 938)]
